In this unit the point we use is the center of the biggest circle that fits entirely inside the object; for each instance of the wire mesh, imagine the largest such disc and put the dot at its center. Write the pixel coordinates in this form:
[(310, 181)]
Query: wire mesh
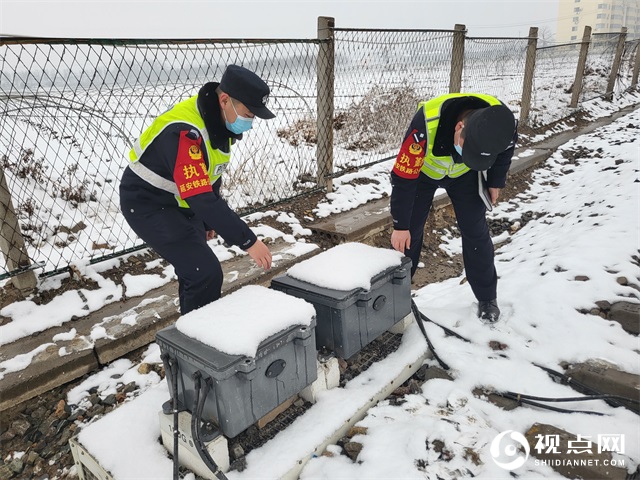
[(380, 76), (624, 79), (71, 111), (495, 66), (553, 80), (598, 67)]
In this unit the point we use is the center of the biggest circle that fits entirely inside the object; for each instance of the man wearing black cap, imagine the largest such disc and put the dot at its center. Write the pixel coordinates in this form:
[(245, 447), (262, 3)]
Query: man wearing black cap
[(449, 141), (170, 192)]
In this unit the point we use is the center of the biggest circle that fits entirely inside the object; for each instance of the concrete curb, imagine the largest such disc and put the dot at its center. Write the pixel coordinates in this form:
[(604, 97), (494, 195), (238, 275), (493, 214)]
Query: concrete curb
[(122, 337), (53, 372), (129, 325)]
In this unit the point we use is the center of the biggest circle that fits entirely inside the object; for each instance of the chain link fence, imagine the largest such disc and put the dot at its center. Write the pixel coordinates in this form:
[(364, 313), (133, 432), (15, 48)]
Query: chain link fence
[(380, 76), (628, 66), (71, 110), (555, 76), (495, 66), (598, 67), (553, 80)]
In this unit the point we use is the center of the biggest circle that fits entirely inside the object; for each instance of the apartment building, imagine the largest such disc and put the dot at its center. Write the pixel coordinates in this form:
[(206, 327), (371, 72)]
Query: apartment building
[(603, 16)]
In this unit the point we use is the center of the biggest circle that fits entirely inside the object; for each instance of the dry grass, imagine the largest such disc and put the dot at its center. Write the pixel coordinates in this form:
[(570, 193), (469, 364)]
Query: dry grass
[(375, 123)]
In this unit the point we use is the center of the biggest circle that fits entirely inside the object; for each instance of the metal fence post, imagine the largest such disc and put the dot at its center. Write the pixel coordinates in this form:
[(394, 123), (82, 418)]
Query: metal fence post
[(636, 66), (529, 69), (11, 241), (457, 58), (582, 61), (615, 67), (324, 127)]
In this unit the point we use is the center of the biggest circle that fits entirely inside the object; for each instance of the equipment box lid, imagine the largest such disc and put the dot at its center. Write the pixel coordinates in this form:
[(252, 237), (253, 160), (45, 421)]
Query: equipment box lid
[(222, 365), (341, 299), (239, 322)]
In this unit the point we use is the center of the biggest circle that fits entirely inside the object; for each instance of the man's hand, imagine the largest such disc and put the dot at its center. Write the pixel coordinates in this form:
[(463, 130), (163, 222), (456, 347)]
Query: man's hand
[(401, 240), (211, 234), (494, 193), (260, 254)]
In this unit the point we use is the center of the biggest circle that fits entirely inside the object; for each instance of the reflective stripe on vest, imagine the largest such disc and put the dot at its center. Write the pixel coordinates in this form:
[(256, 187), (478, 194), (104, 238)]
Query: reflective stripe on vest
[(185, 112), (442, 166)]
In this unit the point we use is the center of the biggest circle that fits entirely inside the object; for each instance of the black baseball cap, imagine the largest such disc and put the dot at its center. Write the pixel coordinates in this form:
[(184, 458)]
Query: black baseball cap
[(248, 88), (487, 132)]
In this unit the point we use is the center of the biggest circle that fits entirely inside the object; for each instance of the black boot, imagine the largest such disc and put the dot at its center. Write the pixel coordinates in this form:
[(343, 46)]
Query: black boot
[(488, 311)]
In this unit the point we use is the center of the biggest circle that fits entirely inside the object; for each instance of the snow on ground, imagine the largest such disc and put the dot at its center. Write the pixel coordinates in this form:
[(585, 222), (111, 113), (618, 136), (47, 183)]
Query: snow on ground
[(589, 228), (573, 255), (28, 318)]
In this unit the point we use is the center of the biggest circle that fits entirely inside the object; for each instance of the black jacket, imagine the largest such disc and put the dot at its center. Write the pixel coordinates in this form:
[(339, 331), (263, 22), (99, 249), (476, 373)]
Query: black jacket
[(160, 156), (404, 189)]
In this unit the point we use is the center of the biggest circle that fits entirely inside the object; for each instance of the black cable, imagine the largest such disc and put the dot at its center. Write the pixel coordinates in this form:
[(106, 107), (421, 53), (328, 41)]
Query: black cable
[(196, 400), (567, 380), (519, 399), (196, 395), (416, 314), (580, 386), (603, 396), (447, 330), (199, 402), (176, 437), (523, 398), (173, 373)]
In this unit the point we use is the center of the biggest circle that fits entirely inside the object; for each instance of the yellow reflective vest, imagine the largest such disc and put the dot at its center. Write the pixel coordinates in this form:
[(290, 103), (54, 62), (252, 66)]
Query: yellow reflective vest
[(438, 167), (182, 112)]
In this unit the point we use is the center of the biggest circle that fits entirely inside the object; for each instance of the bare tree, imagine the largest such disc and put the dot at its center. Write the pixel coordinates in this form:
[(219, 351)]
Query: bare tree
[(546, 36)]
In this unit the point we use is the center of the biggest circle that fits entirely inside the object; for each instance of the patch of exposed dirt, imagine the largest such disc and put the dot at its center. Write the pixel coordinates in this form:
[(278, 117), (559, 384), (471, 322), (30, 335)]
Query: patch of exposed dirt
[(8, 295), (136, 265)]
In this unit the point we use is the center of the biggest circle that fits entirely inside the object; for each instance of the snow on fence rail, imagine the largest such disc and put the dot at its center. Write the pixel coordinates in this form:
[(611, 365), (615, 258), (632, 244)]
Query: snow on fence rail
[(72, 108)]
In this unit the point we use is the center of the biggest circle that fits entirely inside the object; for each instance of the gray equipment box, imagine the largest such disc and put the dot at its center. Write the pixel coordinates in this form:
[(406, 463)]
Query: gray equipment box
[(348, 320), (244, 389)]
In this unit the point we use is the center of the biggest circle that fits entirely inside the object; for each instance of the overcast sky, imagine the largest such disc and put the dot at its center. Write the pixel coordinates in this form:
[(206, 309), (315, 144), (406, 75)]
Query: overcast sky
[(266, 18)]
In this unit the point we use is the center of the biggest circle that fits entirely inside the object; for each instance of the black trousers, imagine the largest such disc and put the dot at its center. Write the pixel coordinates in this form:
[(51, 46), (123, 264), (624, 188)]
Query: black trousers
[(181, 241), (477, 247)]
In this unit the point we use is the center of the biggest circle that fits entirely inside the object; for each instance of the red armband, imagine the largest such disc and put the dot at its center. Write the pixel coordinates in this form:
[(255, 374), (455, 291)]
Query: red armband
[(190, 172), (410, 158)]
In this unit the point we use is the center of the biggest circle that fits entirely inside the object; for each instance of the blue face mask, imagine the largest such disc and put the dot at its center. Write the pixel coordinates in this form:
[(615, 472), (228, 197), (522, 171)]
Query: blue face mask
[(241, 124)]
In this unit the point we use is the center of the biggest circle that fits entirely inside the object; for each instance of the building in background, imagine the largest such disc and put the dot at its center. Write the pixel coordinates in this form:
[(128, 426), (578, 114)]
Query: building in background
[(603, 16)]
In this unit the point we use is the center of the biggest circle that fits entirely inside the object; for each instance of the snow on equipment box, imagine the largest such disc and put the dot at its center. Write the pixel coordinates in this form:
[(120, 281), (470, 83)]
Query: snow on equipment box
[(254, 348), (358, 291)]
